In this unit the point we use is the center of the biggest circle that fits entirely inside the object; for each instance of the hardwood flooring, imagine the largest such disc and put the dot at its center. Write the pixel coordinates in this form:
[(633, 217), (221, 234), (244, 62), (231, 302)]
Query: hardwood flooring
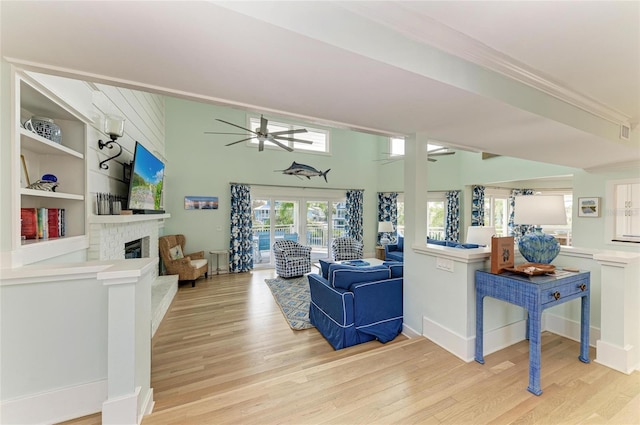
[(224, 354)]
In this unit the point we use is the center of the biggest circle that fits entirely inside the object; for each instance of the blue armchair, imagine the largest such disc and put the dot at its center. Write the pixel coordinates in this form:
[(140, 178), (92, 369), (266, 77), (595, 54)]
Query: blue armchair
[(395, 252), (351, 305)]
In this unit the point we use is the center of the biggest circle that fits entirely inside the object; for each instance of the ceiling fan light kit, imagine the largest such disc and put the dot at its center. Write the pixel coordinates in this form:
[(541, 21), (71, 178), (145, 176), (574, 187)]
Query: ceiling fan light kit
[(262, 134)]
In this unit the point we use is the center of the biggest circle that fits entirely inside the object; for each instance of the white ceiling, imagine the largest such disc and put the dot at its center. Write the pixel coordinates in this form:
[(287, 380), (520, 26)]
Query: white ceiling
[(385, 67)]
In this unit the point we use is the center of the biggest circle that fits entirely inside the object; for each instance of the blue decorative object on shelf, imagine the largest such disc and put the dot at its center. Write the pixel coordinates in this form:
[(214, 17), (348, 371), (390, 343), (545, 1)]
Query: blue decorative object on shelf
[(538, 247), (49, 178)]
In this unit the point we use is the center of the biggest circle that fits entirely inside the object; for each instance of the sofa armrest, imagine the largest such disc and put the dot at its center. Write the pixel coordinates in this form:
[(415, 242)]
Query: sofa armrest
[(196, 255), (378, 307), (336, 303), (390, 248)]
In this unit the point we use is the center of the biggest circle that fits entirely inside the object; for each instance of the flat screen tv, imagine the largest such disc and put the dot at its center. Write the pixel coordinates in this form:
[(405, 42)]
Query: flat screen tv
[(145, 186)]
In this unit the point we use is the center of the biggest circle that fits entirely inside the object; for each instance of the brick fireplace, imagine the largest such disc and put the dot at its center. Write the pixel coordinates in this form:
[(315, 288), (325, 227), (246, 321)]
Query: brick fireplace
[(109, 234)]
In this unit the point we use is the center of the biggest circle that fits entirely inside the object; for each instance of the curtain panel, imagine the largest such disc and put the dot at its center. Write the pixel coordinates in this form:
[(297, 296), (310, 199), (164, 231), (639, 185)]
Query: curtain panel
[(452, 217), (477, 206), (388, 211), (519, 230), (355, 201), (241, 243)]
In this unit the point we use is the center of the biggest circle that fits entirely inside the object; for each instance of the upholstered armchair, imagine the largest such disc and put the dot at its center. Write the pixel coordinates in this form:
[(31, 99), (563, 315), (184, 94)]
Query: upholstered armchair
[(292, 258), (346, 248), (188, 267)]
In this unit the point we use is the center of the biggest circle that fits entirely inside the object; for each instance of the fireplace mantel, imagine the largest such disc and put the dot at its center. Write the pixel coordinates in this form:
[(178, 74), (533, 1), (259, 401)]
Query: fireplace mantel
[(120, 219)]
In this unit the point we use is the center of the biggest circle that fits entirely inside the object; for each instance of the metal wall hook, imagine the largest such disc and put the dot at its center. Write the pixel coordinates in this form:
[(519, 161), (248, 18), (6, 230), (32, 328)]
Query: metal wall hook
[(109, 145)]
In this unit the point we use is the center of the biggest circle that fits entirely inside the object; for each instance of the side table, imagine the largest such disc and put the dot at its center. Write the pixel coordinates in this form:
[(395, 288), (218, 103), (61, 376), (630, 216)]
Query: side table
[(222, 261), (534, 293), (380, 252)]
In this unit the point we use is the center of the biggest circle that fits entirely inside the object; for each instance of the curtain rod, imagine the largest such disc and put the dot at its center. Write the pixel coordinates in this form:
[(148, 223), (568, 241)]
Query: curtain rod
[(295, 187)]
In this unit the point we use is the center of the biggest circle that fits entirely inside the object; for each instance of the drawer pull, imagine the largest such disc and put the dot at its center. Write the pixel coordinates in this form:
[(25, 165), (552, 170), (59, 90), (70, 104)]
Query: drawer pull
[(556, 295), (582, 287)]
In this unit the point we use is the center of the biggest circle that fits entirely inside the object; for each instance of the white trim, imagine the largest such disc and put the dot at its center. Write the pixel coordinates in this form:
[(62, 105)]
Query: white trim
[(615, 357), (55, 406), (427, 30)]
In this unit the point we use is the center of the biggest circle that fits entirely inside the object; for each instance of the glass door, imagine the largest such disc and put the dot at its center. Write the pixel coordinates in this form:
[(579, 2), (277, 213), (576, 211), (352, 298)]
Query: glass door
[(318, 228)]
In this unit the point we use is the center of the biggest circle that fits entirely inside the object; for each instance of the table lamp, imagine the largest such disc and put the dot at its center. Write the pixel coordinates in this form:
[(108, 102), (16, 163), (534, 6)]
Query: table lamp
[(385, 227), (537, 210)]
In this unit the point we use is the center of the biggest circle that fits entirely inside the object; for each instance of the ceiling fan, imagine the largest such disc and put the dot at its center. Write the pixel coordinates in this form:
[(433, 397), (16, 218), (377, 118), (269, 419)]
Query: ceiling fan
[(262, 134), (435, 152)]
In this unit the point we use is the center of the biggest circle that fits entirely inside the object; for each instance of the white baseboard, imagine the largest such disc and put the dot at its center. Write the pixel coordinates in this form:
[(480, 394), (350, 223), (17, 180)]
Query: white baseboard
[(409, 332), (615, 357), (464, 348), (55, 406), (567, 328), (128, 409)]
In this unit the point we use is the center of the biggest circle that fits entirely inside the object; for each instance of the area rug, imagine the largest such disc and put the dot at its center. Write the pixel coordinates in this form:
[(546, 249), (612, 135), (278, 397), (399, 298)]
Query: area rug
[(292, 295)]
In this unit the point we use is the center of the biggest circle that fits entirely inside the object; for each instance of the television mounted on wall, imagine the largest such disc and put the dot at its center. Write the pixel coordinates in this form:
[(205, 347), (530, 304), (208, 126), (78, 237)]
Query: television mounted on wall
[(145, 186)]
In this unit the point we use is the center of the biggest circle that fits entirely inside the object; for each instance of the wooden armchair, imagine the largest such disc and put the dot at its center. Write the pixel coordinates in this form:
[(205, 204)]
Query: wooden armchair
[(188, 267)]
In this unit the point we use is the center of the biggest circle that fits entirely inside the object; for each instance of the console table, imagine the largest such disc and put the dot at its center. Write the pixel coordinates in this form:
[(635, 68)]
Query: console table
[(534, 293)]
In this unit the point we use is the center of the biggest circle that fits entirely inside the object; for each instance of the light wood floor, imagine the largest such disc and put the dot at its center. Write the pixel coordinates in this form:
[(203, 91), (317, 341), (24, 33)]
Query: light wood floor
[(225, 355)]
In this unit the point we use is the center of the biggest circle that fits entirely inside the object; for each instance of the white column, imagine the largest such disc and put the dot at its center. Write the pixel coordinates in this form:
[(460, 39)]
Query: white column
[(129, 394), (619, 343)]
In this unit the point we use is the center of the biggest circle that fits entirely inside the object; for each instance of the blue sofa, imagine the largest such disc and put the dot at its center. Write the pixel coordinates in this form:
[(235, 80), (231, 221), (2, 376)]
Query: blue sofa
[(395, 252), (351, 305)]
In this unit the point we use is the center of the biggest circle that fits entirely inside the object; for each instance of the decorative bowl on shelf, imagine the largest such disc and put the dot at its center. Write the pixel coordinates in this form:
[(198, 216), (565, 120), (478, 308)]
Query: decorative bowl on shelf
[(44, 127), (533, 269)]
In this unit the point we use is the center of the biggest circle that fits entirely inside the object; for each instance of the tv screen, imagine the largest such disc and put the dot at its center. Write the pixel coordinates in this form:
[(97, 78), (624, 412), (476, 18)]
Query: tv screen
[(145, 187)]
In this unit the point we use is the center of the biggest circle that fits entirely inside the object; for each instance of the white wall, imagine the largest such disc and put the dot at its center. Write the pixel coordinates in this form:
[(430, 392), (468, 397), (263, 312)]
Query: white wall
[(201, 164)]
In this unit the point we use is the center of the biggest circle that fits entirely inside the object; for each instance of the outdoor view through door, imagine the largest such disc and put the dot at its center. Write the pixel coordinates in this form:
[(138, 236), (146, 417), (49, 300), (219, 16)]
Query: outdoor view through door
[(310, 222)]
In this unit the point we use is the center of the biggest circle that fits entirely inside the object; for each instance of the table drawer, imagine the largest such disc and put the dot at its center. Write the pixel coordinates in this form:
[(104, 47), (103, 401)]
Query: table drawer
[(558, 293)]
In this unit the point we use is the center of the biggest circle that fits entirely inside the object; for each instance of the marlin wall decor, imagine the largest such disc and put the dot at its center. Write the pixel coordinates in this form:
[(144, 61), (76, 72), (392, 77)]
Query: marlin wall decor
[(304, 170)]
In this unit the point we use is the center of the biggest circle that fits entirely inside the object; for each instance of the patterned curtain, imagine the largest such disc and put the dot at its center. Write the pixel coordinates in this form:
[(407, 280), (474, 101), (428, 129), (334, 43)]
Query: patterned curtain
[(477, 206), (452, 217), (355, 200), (388, 211), (241, 244), (518, 230)]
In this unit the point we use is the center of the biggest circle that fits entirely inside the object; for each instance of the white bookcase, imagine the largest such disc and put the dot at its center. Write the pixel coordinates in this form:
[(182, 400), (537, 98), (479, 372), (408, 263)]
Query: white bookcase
[(42, 156)]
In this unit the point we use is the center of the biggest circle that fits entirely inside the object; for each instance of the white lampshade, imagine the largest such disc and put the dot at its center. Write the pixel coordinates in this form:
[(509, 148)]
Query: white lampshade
[(539, 209), (480, 235), (385, 227), (114, 126)]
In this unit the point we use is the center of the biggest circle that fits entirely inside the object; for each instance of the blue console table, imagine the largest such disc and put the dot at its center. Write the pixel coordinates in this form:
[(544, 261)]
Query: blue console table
[(534, 293)]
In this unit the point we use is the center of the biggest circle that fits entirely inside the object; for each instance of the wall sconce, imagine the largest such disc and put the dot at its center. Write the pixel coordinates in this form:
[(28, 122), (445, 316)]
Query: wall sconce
[(114, 127)]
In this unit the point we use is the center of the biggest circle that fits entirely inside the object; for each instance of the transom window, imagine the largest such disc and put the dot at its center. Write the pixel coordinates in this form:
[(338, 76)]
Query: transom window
[(396, 147), (319, 138)]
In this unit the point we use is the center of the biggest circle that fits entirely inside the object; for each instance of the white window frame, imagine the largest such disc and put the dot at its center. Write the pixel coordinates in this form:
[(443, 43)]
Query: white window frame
[(326, 149)]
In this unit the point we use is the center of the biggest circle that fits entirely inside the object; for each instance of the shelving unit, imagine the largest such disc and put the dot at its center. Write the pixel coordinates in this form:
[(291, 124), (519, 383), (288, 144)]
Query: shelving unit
[(42, 156)]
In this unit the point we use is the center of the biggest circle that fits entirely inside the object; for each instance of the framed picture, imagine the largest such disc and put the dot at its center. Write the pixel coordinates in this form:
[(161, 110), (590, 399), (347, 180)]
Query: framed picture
[(200, 202), (588, 207)]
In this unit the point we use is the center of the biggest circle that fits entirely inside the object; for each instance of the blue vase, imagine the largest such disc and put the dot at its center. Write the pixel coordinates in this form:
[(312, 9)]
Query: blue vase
[(538, 247)]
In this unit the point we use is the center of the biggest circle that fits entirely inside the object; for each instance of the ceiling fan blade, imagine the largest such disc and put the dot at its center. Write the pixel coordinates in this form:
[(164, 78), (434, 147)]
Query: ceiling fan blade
[(432, 160), (230, 123), (441, 154), (283, 146), (215, 132), (280, 133), (263, 125), (290, 139), (243, 140)]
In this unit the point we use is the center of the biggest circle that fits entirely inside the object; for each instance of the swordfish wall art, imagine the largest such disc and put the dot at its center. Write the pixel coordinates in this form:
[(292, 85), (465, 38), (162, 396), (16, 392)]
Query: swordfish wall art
[(303, 170)]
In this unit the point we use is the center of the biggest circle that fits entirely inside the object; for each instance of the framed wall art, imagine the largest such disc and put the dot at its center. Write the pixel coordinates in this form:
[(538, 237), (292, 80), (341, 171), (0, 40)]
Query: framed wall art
[(588, 207), (200, 202)]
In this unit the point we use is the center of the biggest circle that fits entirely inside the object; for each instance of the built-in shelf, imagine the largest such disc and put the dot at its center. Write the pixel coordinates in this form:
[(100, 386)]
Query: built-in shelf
[(132, 218), (48, 194), (38, 144)]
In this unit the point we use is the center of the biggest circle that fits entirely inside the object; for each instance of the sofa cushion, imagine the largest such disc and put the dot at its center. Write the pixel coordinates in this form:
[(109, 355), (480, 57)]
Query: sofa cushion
[(396, 268), (324, 268), (176, 252), (198, 263), (401, 243), (342, 276), (395, 256)]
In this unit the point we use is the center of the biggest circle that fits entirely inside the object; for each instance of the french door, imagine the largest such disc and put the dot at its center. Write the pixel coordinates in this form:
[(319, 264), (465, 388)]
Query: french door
[(311, 221)]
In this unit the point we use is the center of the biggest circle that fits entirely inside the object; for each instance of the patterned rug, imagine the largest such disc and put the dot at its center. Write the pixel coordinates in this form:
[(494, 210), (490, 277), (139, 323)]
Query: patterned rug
[(292, 295)]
